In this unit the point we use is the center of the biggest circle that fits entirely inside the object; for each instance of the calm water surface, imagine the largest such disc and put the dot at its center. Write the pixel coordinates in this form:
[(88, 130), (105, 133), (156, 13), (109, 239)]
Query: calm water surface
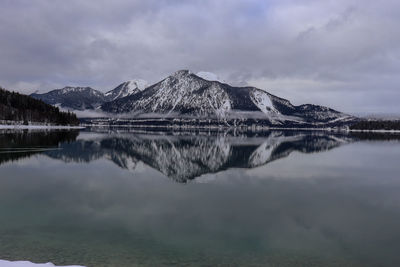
[(113, 198)]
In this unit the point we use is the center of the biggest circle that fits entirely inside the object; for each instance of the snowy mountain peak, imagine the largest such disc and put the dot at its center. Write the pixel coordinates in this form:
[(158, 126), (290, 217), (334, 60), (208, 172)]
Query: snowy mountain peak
[(126, 89)]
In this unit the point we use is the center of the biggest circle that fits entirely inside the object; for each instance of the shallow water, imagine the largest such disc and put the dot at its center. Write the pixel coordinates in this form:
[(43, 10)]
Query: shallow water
[(199, 199)]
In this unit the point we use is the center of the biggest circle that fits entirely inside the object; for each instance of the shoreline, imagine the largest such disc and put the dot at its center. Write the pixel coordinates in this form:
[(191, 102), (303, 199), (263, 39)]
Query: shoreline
[(262, 129), (35, 127)]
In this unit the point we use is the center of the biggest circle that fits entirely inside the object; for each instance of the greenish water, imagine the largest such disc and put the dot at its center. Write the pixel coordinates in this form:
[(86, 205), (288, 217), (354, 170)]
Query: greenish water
[(153, 199)]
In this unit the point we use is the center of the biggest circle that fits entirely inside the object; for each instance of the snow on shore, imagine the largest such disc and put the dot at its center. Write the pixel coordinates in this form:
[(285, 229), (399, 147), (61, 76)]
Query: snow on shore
[(4, 263)]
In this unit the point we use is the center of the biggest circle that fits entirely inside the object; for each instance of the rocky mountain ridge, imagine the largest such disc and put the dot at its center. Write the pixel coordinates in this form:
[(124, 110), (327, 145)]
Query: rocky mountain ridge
[(126, 89), (184, 97), (87, 98)]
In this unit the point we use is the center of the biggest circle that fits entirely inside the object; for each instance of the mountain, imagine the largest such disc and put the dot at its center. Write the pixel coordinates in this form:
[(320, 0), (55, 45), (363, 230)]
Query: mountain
[(78, 98), (186, 95), (126, 89), (82, 98), (16, 108), (186, 99)]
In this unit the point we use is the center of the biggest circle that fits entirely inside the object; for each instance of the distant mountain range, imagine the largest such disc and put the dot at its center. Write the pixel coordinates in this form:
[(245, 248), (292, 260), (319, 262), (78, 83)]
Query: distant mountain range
[(187, 96), (82, 98)]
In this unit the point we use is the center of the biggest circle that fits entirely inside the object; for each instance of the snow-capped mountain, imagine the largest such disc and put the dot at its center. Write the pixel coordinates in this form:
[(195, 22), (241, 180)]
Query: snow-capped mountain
[(76, 98), (186, 95), (126, 89), (83, 98)]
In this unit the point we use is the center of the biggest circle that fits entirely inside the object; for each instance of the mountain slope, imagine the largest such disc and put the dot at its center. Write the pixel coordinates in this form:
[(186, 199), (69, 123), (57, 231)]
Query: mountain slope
[(79, 98), (185, 95)]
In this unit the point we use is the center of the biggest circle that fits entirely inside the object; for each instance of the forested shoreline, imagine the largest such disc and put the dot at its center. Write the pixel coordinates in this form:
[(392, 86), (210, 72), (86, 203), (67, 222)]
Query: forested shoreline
[(23, 109)]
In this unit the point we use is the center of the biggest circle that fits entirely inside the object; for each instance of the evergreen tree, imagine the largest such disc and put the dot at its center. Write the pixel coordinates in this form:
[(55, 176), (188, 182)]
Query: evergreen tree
[(25, 109)]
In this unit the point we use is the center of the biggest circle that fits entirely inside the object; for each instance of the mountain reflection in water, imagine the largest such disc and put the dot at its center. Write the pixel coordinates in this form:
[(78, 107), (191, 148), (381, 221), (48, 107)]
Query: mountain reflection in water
[(179, 156)]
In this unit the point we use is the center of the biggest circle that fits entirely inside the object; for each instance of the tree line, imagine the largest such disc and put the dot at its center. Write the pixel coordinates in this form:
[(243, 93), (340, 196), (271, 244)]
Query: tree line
[(376, 125), (25, 109)]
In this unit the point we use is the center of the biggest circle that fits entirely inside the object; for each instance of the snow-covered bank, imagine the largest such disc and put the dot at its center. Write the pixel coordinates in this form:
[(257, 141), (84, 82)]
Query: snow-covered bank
[(4, 263), (33, 127)]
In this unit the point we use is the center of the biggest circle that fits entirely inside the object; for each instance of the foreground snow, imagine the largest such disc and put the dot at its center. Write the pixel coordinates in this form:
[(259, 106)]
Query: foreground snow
[(4, 263), (2, 126)]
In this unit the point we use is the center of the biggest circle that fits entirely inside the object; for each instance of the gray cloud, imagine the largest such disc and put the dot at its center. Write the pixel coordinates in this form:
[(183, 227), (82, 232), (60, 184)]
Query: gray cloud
[(342, 53)]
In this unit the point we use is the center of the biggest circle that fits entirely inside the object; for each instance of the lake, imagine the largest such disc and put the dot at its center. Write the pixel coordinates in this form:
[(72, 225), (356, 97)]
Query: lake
[(106, 197)]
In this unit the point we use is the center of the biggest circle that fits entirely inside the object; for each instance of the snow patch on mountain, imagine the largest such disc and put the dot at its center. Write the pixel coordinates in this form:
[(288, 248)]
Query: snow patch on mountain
[(262, 100)]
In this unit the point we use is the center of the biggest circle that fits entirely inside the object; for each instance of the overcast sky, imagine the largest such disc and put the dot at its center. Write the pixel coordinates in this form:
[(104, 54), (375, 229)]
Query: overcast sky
[(341, 53)]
